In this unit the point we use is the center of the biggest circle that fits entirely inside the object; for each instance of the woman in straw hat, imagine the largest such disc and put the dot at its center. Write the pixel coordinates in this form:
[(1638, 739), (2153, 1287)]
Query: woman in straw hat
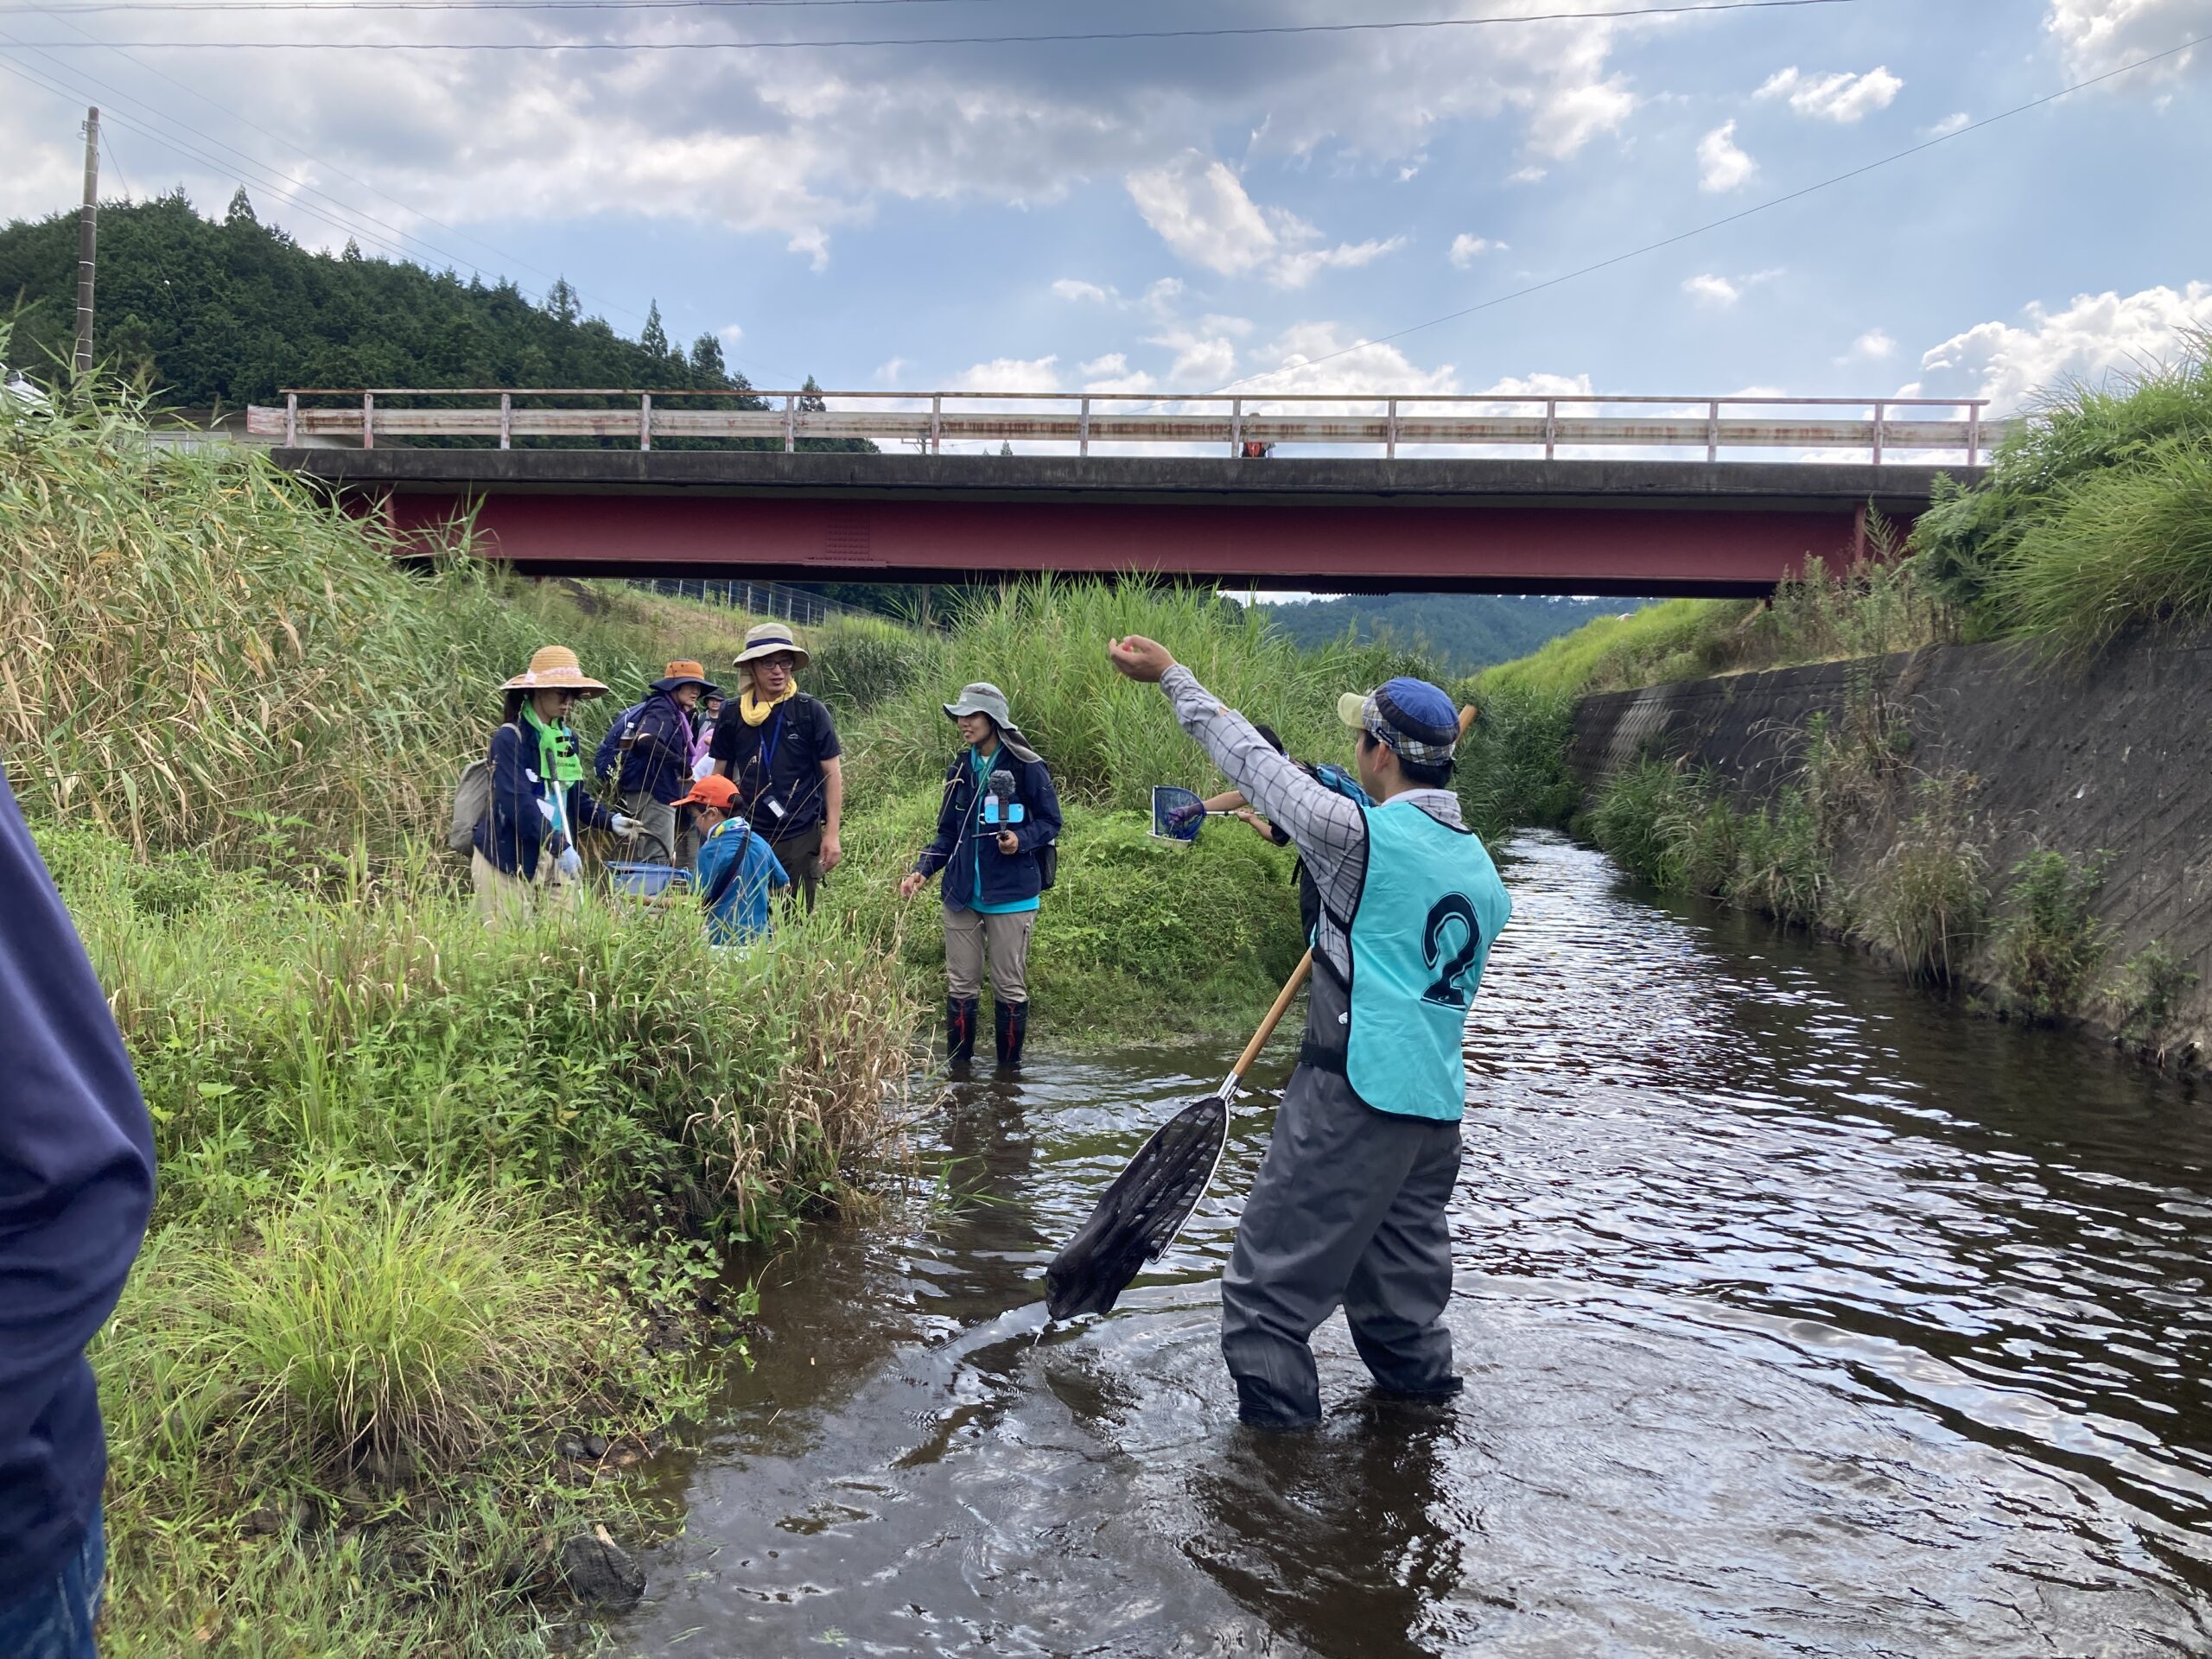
[(526, 842), (999, 807), (779, 747)]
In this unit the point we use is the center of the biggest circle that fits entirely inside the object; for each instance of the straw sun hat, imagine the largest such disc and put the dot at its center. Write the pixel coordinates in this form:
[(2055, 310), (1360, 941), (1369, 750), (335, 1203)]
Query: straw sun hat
[(554, 668)]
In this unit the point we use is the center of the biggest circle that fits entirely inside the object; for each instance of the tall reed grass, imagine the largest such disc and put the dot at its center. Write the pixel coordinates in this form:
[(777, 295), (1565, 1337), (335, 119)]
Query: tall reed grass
[(2092, 519), (1106, 739)]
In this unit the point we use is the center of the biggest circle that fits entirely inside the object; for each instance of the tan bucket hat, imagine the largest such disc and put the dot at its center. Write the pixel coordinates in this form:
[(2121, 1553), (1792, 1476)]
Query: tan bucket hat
[(554, 668), (769, 637)]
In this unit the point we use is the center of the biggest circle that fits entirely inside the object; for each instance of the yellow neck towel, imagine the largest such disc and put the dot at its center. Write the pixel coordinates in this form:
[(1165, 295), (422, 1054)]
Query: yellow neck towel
[(755, 712)]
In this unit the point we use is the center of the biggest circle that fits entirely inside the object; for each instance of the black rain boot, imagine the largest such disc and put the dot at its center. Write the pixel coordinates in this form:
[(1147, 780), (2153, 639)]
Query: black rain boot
[(960, 1013), (1013, 1026)]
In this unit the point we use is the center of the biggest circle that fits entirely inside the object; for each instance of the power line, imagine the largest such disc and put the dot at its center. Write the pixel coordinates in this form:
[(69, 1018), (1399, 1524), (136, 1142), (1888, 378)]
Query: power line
[(1092, 35), (117, 165), (1731, 219)]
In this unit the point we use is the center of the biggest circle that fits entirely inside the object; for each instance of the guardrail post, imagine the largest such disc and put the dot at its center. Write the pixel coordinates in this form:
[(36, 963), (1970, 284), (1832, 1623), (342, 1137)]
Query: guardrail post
[(790, 422), (1083, 429), (937, 423), (1713, 430), (1390, 430), (1235, 426), (1973, 431), (1877, 431), (507, 420), (1551, 425), (368, 420), (646, 434)]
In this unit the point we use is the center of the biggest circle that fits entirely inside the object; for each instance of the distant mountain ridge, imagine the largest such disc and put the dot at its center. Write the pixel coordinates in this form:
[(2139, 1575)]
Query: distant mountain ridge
[(1465, 631)]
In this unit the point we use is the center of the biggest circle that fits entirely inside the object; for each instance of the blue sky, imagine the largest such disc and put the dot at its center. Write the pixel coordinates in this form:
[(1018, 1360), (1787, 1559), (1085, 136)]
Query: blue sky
[(1175, 215)]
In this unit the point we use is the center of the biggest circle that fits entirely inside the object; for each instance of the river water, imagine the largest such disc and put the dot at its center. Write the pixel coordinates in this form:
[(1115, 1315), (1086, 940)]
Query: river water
[(1799, 1313)]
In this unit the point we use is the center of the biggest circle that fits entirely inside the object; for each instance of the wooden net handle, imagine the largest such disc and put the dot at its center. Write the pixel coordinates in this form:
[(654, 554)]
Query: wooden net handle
[(1275, 1015)]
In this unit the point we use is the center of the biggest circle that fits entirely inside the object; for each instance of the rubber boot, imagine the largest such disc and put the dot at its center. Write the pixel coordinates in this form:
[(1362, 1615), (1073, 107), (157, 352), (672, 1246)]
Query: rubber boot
[(1013, 1026), (960, 1013)]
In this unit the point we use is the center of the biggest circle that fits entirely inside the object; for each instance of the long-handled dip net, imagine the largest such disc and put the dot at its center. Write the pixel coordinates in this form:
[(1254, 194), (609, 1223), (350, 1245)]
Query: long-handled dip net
[(1138, 1217)]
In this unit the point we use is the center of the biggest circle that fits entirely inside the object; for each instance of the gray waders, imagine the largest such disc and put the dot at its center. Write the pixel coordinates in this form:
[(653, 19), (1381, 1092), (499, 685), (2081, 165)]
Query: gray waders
[(1349, 1210)]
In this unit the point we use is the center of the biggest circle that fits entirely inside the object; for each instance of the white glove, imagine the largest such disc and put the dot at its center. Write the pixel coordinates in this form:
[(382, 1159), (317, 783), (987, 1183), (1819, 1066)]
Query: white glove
[(545, 811), (626, 826), (570, 864)]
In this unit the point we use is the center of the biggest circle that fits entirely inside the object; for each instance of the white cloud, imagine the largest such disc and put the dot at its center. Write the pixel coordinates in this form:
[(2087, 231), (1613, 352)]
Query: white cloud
[(1070, 287), (1571, 116), (1354, 365), (1874, 344), (1839, 96), (2095, 35), (1950, 123), (1527, 176), (1466, 249), (730, 334), (1710, 288), (1200, 210), (2094, 336), (1296, 270), (1008, 374), (1111, 373), (1713, 289), (1720, 165)]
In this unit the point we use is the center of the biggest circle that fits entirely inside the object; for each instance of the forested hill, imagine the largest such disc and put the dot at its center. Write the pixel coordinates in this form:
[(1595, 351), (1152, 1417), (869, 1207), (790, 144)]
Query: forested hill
[(230, 311), (1466, 631)]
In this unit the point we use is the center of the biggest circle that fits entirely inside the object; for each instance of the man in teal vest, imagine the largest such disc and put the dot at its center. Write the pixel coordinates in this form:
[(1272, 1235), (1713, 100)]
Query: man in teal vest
[(1349, 1206)]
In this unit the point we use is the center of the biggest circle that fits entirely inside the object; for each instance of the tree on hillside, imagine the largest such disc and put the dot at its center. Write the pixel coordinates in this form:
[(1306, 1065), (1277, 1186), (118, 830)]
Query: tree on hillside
[(561, 303), (653, 337), (706, 365)]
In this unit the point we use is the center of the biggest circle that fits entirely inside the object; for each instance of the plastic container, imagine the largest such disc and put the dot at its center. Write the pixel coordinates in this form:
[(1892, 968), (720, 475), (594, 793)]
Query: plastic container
[(646, 880)]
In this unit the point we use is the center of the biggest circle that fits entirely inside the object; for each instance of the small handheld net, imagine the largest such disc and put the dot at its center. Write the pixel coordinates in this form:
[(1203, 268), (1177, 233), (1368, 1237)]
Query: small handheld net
[(1177, 814), (1139, 1215)]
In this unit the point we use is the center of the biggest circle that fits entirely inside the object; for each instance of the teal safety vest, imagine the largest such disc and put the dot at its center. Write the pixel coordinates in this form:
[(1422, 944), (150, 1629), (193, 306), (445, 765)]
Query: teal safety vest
[(1429, 910)]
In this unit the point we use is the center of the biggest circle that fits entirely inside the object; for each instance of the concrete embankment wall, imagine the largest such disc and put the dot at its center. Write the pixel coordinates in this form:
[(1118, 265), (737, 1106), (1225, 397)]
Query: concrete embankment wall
[(2116, 758)]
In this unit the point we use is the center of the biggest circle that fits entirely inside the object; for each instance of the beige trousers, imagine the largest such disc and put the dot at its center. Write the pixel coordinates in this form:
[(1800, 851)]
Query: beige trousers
[(503, 898), (968, 935)]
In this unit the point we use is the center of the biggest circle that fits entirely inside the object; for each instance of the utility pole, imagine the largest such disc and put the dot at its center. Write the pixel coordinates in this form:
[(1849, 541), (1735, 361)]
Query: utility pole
[(88, 230)]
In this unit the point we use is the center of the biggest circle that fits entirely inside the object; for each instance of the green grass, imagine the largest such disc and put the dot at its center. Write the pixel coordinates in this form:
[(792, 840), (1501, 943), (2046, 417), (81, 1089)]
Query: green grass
[(2091, 519), (2049, 943)]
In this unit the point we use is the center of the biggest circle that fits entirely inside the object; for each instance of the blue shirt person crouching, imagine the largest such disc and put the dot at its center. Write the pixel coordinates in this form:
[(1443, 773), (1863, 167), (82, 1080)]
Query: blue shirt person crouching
[(738, 870)]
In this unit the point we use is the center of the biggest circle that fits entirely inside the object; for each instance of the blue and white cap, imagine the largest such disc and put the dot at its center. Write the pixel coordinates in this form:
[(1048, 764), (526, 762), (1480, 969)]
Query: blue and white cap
[(1409, 715)]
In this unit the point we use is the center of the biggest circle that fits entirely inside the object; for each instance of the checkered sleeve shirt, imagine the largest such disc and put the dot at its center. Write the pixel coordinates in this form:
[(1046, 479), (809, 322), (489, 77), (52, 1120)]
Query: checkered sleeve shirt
[(1328, 829)]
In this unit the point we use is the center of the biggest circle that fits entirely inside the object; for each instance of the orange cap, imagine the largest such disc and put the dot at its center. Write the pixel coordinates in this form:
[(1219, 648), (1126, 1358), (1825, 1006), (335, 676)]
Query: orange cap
[(715, 790)]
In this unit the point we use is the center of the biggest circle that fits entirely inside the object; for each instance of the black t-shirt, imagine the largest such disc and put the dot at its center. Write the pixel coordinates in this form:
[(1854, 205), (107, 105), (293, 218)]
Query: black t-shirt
[(780, 758)]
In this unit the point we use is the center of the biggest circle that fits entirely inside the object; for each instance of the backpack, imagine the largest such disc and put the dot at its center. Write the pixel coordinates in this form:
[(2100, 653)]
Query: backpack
[(472, 799), (608, 755)]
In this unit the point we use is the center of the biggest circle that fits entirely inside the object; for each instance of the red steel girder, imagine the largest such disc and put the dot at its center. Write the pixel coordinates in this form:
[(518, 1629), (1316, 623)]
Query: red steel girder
[(1627, 548)]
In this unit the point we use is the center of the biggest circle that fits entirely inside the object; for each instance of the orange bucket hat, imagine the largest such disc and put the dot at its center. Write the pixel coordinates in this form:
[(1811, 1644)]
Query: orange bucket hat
[(554, 668)]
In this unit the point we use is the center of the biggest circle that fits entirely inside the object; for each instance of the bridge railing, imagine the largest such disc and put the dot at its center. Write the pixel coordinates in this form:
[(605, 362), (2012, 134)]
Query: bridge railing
[(1886, 428)]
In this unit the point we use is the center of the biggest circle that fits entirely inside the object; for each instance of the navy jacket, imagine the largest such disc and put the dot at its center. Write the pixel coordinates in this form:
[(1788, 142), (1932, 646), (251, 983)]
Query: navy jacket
[(659, 755), (511, 834), (76, 1185), (965, 848)]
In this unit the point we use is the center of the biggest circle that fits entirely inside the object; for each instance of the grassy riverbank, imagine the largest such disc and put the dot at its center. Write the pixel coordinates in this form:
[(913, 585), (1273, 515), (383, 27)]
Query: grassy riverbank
[(437, 1206)]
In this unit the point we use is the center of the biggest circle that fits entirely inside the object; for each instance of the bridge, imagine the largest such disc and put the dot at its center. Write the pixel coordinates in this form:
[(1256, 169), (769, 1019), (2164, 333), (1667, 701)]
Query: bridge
[(1497, 493)]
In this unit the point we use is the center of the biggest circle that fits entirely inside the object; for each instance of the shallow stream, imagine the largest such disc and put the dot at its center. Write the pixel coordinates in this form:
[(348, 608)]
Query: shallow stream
[(1799, 1313)]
